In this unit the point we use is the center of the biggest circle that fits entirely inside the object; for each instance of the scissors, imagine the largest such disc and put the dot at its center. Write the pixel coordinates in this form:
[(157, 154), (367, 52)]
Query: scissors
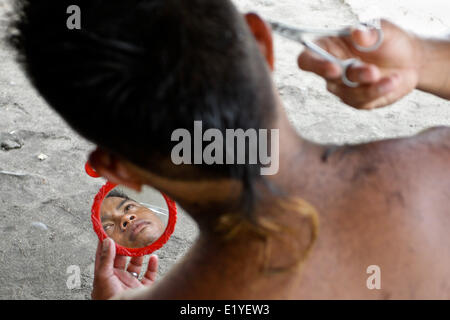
[(298, 35)]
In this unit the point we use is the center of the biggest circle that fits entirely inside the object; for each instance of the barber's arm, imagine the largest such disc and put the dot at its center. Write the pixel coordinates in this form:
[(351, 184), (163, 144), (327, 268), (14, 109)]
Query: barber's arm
[(404, 62), (435, 72)]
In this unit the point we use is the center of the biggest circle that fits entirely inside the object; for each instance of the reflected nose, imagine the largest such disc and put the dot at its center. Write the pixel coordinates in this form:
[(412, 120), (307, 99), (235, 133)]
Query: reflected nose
[(126, 221)]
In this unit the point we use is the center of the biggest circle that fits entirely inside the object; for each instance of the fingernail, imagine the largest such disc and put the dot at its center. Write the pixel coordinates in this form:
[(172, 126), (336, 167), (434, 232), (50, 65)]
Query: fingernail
[(106, 244), (363, 36), (361, 27)]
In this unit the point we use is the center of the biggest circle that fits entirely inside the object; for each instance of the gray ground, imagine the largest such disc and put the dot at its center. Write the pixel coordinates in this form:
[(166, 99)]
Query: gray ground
[(45, 196)]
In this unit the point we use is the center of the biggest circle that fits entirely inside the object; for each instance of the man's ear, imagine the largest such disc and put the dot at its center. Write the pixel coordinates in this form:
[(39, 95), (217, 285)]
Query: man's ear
[(114, 170), (263, 35)]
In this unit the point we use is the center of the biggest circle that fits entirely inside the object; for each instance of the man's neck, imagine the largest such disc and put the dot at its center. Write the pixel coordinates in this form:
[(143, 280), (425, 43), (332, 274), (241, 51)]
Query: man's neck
[(301, 168), (285, 216), (301, 162)]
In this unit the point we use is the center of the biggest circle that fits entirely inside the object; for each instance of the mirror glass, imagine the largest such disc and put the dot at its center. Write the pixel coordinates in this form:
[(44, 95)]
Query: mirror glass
[(134, 220)]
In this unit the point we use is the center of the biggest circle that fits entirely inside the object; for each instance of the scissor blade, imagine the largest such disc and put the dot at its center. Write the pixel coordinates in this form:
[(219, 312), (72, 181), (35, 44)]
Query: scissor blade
[(287, 31), (298, 34)]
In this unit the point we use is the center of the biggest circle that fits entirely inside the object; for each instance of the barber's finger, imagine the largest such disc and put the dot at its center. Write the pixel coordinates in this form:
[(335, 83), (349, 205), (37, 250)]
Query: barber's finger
[(363, 96), (120, 262), (365, 37), (398, 90), (105, 267), (98, 253), (364, 74), (308, 61), (368, 97), (128, 279), (135, 265), (152, 269), (368, 37)]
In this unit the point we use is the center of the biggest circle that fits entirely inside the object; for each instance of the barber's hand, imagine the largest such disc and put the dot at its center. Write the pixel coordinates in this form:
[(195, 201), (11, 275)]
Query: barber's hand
[(111, 278), (387, 75)]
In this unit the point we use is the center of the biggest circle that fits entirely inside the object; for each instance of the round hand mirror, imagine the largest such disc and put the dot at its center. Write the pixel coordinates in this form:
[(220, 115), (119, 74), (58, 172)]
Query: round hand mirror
[(138, 222)]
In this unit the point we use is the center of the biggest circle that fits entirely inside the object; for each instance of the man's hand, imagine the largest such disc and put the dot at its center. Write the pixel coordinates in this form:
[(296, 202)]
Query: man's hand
[(111, 278), (387, 74)]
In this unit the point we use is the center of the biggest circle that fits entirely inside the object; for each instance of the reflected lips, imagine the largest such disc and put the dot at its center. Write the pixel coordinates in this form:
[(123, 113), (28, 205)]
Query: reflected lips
[(138, 226)]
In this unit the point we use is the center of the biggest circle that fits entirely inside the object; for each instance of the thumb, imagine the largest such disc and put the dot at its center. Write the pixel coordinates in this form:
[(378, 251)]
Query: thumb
[(107, 255), (368, 36), (364, 37)]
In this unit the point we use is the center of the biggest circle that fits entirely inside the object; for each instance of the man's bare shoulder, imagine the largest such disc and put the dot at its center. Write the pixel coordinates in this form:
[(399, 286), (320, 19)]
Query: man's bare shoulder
[(430, 143), (437, 136), (433, 142), (404, 157), (421, 158)]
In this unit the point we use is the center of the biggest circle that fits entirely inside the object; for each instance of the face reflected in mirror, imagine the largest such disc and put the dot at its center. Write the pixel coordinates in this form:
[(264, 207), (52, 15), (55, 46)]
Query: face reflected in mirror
[(134, 220)]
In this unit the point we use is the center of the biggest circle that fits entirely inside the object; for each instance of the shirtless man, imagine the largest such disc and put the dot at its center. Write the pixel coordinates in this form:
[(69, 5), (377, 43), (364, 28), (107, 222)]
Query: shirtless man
[(310, 231)]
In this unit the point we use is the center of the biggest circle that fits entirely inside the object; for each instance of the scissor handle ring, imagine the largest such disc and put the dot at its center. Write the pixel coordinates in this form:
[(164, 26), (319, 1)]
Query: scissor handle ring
[(345, 66), (376, 46)]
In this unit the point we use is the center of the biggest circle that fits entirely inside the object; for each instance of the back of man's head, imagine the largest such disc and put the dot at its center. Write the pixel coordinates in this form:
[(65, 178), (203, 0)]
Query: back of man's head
[(139, 69)]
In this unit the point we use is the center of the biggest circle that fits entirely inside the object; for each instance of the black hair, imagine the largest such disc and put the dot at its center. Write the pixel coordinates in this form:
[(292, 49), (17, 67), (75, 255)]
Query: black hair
[(118, 194), (139, 69)]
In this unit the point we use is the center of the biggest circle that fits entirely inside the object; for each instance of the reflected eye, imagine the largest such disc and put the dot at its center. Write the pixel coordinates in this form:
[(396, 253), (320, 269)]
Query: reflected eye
[(128, 207), (108, 226)]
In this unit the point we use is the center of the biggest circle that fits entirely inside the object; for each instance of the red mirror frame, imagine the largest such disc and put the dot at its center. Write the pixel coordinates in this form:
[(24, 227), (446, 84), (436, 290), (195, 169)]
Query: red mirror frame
[(98, 228)]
